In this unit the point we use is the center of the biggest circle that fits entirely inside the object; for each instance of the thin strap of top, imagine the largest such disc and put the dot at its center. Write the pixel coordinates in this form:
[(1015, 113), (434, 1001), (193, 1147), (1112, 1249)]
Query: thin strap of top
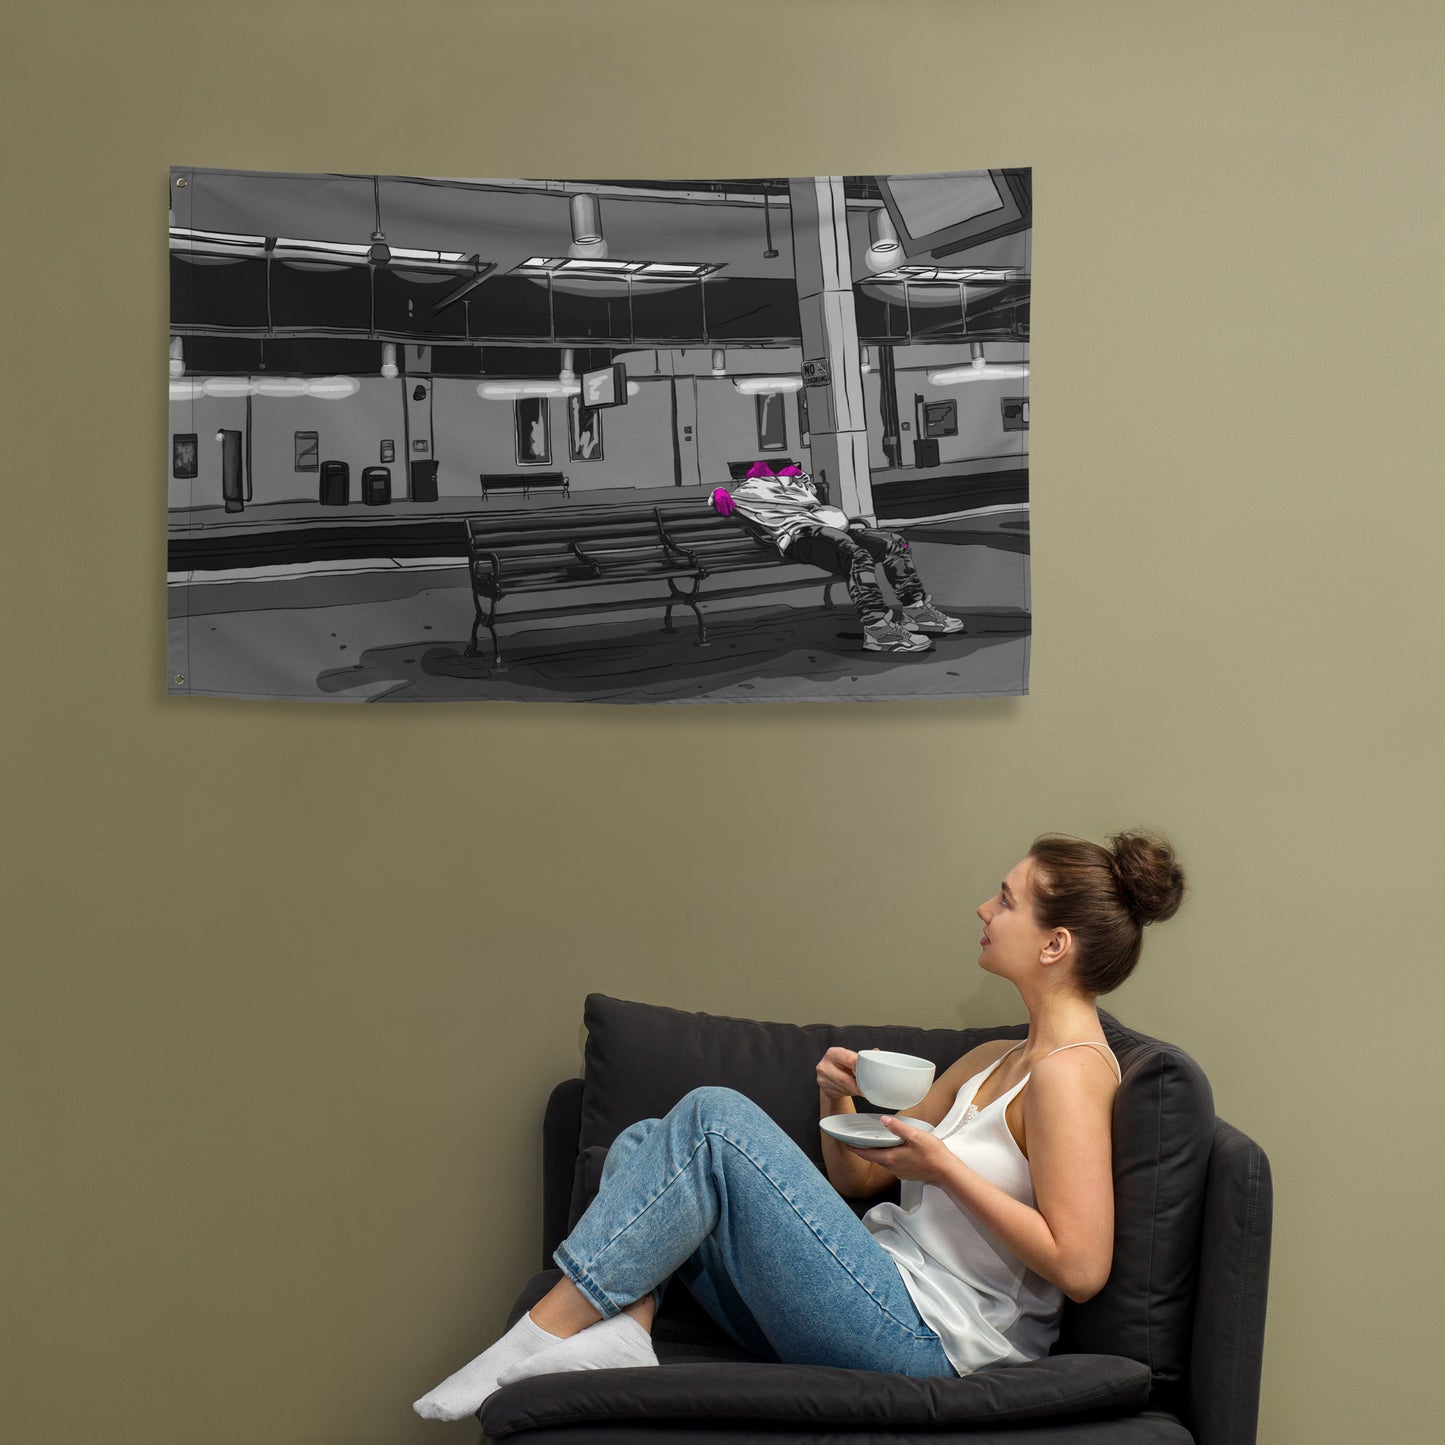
[(1090, 1044)]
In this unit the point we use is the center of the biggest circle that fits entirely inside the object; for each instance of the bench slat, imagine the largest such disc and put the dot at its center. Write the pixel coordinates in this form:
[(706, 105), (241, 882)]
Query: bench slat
[(611, 556), (543, 584), (577, 518)]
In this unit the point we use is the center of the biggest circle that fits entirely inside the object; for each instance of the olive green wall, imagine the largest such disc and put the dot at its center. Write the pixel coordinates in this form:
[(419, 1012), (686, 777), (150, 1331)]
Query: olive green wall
[(288, 985)]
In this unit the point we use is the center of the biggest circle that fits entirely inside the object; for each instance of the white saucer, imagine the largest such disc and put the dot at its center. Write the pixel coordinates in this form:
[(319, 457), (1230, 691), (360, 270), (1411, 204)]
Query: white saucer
[(864, 1131)]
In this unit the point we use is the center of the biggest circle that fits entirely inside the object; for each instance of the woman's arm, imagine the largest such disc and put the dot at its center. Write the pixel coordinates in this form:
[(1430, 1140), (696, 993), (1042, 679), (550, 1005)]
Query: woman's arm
[(856, 1178), (1068, 1237)]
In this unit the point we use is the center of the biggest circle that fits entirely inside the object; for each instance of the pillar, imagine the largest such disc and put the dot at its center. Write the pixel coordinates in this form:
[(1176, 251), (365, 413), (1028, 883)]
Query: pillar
[(832, 369)]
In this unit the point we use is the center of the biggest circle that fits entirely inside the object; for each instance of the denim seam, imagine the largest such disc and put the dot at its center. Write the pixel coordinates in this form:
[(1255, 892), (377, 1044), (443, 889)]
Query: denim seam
[(579, 1276), (584, 1281)]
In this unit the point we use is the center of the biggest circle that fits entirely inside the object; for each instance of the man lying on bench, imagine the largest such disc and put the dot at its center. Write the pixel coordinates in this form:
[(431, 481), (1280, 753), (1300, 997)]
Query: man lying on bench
[(788, 509)]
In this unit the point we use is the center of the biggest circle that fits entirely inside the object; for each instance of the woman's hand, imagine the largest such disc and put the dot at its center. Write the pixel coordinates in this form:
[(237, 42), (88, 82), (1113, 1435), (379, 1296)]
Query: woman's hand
[(921, 1156), (835, 1073)]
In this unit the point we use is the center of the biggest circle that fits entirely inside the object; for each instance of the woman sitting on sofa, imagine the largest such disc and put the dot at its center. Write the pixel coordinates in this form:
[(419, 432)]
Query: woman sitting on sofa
[(1006, 1205)]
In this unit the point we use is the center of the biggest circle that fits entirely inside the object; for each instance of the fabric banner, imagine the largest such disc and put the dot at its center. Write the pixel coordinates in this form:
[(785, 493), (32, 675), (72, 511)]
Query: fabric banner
[(627, 441)]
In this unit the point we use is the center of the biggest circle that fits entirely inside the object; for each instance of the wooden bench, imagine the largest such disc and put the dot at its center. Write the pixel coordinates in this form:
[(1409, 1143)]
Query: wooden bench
[(524, 482), (681, 543)]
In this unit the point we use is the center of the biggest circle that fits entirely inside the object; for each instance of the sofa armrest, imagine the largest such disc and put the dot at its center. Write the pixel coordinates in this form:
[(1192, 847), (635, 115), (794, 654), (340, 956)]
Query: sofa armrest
[(820, 1397), (561, 1127), (1227, 1349)]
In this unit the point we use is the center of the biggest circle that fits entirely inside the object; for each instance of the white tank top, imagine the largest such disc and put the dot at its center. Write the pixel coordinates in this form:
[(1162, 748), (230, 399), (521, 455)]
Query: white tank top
[(986, 1306)]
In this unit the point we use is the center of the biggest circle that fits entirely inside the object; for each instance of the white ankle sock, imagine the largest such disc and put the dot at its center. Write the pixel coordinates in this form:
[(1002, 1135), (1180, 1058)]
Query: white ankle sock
[(613, 1344), (462, 1393)]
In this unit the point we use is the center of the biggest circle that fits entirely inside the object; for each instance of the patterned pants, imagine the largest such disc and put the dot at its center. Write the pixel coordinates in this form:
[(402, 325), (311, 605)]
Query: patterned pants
[(852, 555)]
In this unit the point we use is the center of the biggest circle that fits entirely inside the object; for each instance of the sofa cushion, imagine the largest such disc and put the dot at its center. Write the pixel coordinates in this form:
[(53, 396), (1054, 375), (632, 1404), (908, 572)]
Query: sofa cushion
[(1163, 1136), (586, 1181), (819, 1396), (640, 1059)]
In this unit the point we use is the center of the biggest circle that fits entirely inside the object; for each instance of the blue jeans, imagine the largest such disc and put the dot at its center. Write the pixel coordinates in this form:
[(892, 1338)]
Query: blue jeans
[(719, 1195)]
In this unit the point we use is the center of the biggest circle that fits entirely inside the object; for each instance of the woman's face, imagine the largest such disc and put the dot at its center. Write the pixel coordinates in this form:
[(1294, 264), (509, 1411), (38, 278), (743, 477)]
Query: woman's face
[(1013, 940)]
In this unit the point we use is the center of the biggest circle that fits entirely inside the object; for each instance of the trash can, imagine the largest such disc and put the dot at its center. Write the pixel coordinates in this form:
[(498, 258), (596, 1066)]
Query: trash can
[(335, 484), (376, 486)]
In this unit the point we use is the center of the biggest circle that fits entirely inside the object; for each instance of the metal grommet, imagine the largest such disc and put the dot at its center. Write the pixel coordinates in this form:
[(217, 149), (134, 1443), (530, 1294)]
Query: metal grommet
[(179, 678), (180, 183)]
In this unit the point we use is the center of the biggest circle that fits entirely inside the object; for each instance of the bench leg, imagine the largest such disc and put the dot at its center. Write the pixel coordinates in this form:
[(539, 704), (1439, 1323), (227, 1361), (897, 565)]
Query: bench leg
[(486, 621), (690, 600)]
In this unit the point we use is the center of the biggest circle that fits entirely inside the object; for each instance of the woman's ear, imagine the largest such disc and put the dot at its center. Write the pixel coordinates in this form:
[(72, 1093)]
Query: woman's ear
[(1058, 947)]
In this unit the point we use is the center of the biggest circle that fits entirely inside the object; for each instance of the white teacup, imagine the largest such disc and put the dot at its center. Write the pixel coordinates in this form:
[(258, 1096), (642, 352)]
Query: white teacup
[(896, 1081)]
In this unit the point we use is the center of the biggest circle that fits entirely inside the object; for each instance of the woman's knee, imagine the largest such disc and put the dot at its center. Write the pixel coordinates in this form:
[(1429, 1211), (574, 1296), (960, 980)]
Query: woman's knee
[(625, 1143), (717, 1101)]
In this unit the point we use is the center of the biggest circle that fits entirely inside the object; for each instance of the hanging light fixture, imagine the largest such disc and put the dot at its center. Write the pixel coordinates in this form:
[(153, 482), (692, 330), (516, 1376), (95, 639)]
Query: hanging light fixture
[(719, 361), (770, 254), (178, 359), (388, 361), (380, 252), (587, 239), (566, 374), (866, 360), (883, 251)]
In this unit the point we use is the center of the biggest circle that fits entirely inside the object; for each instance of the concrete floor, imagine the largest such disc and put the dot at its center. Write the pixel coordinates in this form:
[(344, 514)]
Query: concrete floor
[(388, 631)]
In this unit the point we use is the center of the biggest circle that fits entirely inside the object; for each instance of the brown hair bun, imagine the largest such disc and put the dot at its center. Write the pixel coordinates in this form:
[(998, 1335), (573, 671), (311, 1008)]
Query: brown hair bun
[(1104, 897), (1150, 879)]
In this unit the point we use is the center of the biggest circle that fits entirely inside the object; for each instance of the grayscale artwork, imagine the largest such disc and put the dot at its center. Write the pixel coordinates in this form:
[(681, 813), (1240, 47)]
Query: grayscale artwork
[(623, 441)]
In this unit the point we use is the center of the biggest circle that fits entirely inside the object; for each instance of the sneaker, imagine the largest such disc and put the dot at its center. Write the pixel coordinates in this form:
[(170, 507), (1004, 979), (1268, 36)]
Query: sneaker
[(886, 635), (925, 617)]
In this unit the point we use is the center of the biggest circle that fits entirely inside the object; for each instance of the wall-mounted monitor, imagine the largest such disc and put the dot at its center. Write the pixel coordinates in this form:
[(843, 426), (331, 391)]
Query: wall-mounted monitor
[(938, 214), (606, 387)]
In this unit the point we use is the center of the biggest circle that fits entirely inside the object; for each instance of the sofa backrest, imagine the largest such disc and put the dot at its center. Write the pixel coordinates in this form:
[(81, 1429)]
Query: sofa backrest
[(640, 1059)]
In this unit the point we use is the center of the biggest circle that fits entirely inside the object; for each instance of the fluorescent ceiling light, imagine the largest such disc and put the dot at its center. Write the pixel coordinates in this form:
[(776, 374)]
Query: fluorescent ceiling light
[(584, 266), (214, 243), (539, 386), (325, 388), (752, 385), (992, 372), (332, 388), (287, 248), (945, 273), (228, 386)]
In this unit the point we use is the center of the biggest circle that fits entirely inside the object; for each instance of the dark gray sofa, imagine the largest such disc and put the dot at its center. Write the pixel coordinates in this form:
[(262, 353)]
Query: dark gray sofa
[(1168, 1353)]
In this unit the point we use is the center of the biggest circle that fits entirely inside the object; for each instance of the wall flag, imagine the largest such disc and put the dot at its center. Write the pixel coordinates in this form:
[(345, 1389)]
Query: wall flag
[(624, 441)]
